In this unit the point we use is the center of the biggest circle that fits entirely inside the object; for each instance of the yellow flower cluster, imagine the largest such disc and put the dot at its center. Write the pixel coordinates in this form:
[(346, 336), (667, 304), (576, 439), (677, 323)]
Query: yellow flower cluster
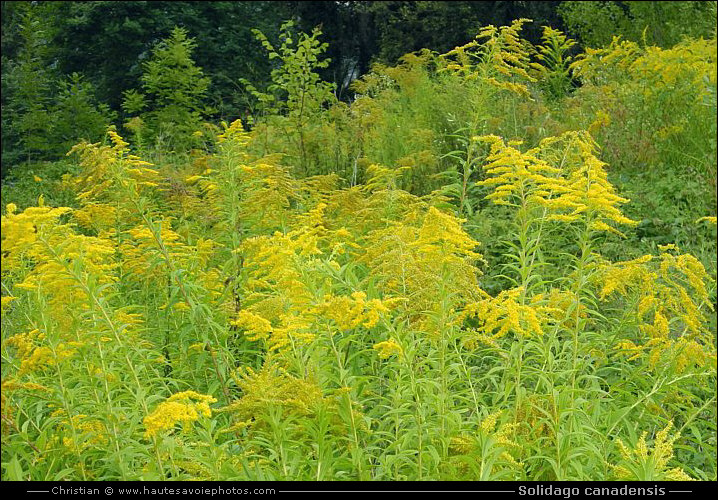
[(183, 407), (280, 306), (269, 189), (88, 431), (516, 174), (20, 233), (108, 171), (256, 327), (272, 388), (144, 248), (551, 52), (275, 266), (388, 348), (42, 357), (411, 258), (623, 276), (669, 295), (5, 303), (96, 255), (383, 178), (657, 69), (41, 254), (493, 440), (24, 343), (497, 52), (277, 260), (643, 464), (234, 133), (562, 175), (505, 313), (590, 64), (353, 311), (588, 188), (97, 216)]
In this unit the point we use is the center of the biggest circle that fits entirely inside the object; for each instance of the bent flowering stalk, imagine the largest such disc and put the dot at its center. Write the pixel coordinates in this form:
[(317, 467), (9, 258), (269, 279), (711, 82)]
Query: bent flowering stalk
[(670, 294)]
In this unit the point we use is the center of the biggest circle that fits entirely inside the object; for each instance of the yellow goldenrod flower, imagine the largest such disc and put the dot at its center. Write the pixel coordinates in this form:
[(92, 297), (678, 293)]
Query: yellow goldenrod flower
[(388, 348), (184, 407), (256, 327), (669, 293), (579, 190), (503, 314), (643, 464), (273, 388), (5, 303)]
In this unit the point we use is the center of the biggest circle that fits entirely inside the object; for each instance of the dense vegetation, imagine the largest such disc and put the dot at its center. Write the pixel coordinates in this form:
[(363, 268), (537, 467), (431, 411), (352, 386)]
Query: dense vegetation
[(490, 259)]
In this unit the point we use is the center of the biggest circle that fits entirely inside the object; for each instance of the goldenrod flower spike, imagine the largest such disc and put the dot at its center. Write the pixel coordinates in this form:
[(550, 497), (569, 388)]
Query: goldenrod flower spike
[(645, 464), (670, 292), (184, 407), (710, 220), (388, 348), (562, 175)]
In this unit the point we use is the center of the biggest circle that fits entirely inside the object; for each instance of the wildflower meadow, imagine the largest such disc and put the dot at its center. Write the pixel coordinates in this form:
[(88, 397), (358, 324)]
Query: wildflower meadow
[(496, 262)]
